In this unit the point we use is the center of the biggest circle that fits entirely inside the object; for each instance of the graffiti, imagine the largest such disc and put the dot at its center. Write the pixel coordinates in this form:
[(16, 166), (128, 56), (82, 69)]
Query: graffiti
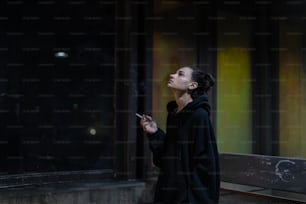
[(283, 169)]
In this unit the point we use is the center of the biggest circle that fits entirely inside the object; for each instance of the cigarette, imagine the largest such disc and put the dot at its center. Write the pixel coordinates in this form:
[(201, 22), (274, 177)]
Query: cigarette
[(138, 115)]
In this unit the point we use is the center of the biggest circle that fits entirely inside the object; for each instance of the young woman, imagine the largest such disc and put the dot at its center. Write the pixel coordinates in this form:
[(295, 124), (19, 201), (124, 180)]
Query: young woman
[(187, 153)]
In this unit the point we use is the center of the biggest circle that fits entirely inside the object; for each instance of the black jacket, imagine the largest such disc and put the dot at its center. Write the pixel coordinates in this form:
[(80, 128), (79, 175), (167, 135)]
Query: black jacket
[(187, 156)]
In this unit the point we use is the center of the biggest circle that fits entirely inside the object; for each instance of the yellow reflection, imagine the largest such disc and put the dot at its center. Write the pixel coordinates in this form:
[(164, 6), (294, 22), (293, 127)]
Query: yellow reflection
[(234, 101)]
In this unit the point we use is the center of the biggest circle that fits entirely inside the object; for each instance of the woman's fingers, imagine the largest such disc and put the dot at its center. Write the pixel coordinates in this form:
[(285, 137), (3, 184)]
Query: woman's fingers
[(144, 119), (147, 117), (148, 124)]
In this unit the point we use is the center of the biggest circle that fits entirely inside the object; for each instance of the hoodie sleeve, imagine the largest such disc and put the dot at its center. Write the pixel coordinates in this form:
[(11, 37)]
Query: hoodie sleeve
[(204, 167), (156, 143), (157, 140)]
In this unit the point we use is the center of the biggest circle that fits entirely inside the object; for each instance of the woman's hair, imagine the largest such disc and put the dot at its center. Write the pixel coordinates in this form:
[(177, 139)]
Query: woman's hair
[(205, 82)]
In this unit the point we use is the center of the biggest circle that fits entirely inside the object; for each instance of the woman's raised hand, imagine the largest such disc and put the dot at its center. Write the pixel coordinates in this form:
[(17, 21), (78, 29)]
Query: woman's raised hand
[(148, 124)]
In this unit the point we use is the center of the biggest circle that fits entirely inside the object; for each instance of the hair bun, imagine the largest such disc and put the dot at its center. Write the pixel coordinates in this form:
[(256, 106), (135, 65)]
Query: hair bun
[(210, 79), (205, 82)]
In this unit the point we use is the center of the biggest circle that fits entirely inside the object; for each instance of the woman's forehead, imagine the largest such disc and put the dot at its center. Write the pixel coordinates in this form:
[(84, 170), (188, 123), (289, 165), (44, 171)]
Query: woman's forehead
[(185, 69)]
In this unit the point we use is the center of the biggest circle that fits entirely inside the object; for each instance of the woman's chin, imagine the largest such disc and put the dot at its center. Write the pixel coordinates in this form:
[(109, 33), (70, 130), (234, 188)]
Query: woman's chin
[(169, 85)]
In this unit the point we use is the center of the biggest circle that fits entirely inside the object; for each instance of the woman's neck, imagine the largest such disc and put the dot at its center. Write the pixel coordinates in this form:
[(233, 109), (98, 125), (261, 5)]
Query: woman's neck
[(182, 101)]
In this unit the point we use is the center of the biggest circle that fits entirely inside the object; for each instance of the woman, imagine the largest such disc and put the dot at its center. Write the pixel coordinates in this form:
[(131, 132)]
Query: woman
[(187, 153)]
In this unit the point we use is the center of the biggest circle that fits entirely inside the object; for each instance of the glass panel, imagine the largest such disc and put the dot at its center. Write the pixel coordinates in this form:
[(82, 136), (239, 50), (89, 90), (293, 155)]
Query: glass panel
[(234, 112), (292, 87), (57, 77)]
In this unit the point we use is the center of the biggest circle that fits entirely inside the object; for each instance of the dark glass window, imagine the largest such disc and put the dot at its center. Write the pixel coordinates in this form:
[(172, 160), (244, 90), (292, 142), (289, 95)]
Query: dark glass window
[(56, 85)]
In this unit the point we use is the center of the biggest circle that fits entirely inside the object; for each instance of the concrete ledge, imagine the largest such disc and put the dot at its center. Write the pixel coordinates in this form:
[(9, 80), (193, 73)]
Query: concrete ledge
[(30, 179), (232, 193), (108, 192)]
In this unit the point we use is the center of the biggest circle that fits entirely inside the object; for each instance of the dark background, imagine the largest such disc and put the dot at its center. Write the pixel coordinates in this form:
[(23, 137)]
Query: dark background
[(49, 104)]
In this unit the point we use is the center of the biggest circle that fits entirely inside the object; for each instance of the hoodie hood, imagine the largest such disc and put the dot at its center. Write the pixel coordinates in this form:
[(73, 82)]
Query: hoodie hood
[(200, 102)]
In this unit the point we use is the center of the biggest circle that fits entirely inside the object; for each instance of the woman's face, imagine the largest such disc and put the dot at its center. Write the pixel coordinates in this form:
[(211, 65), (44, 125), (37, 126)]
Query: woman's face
[(181, 80)]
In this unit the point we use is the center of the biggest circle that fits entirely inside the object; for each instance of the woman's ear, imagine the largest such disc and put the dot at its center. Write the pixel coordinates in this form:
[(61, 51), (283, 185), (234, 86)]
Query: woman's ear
[(193, 85)]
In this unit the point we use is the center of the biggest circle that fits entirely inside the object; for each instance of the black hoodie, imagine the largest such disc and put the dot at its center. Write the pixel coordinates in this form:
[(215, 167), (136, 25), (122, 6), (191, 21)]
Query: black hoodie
[(187, 156)]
